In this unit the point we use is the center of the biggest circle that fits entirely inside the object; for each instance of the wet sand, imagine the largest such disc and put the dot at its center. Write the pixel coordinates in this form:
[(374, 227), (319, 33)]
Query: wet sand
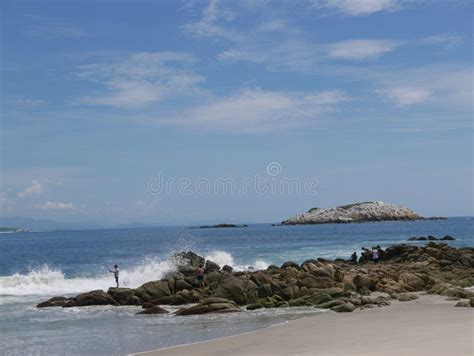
[(426, 326)]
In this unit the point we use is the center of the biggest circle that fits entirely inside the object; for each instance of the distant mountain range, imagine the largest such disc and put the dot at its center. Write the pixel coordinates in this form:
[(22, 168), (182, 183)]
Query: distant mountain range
[(51, 225)]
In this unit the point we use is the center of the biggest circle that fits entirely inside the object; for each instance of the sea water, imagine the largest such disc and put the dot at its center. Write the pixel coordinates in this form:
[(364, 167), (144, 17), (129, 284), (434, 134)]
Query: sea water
[(37, 265)]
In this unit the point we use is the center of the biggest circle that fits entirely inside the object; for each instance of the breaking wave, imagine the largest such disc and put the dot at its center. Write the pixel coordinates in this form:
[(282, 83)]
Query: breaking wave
[(47, 280)]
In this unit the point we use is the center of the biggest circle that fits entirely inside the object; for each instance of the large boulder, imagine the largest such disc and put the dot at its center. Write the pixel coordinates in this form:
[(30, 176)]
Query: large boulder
[(211, 266), (153, 290), (95, 297), (260, 278), (240, 290), (309, 281), (210, 305), (344, 308), (289, 264), (189, 258), (362, 280), (411, 282), (125, 296)]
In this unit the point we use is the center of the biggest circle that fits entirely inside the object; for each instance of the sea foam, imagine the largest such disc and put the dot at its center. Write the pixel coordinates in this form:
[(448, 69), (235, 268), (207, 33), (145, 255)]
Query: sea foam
[(47, 280)]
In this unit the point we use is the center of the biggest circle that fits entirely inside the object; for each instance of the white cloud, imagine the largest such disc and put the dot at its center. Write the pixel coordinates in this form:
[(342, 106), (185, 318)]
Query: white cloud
[(294, 54), (360, 49), (36, 188), (50, 205), (358, 7), (403, 96), (142, 78), (208, 24), (441, 85), (255, 110), (448, 40)]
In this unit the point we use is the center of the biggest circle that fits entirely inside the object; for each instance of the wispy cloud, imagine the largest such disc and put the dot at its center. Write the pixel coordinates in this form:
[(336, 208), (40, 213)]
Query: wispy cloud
[(209, 23), (447, 40), (256, 110), (403, 96), (360, 49), (51, 205), (357, 7), (440, 85), (36, 188), (142, 78)]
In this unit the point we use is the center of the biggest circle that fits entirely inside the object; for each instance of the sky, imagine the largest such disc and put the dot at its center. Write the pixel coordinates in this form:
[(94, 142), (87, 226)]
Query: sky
[(186, 112)]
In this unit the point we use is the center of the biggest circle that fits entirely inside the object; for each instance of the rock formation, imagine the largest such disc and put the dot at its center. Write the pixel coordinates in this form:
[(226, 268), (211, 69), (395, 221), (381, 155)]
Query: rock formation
[(340, 285), (431, 238), (357, 212)]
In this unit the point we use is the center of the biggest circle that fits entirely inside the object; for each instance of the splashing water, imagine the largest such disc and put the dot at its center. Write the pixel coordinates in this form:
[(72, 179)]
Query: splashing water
[(46, 280)]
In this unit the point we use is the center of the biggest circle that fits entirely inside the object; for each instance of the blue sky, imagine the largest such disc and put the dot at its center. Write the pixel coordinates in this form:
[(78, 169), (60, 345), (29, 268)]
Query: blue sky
[(371, 99)]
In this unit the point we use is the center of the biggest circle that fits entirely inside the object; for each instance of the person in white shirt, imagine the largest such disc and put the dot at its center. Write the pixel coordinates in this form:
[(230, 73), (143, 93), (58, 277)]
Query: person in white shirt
[(375, 255), (116, 272)]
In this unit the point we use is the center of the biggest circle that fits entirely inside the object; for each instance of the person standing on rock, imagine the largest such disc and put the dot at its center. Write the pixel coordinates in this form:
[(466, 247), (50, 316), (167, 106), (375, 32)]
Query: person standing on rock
[(116, 272), (354, 258), (375, 254), (200, 276)]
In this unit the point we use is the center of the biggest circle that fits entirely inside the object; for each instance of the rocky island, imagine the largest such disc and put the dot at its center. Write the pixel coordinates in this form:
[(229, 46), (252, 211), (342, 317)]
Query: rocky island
[(218, 226), (357, 212), (339, 285)]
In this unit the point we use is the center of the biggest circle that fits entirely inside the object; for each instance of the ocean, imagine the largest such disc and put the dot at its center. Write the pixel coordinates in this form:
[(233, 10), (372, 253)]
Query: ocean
[(37, 265)]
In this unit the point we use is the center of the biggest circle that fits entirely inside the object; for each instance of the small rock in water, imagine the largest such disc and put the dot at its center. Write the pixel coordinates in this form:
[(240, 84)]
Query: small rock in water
[(463, 304), (153, 310)]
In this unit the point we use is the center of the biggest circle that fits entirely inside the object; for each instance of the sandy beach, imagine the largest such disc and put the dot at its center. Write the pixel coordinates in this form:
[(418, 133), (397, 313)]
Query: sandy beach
[(429, 325)]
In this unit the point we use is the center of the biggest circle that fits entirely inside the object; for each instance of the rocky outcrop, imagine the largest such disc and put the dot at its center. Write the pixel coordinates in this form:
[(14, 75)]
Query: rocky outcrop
[(218, 226), (341, 286), (431, 238), (210, 305), (357, 212)]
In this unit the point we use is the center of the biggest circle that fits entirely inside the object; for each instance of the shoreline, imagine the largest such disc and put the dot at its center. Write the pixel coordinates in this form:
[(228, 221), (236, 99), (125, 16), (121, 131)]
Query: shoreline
[(430, 325)]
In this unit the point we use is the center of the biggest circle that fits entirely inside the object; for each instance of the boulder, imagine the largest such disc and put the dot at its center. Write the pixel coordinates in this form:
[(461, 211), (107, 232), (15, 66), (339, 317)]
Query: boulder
[(316, 299), (95, 297), (288, 264), (406, 297), (211, 266), (153, 290), (260, 278), (53, 302), (189, 258), (310, 281), (330, 304), (411, 282), (344, 308), (361, 280), (220, 307), (463, 304), (153, 310), (227, 269), (125, 296), (240, 290), (254, 306)]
